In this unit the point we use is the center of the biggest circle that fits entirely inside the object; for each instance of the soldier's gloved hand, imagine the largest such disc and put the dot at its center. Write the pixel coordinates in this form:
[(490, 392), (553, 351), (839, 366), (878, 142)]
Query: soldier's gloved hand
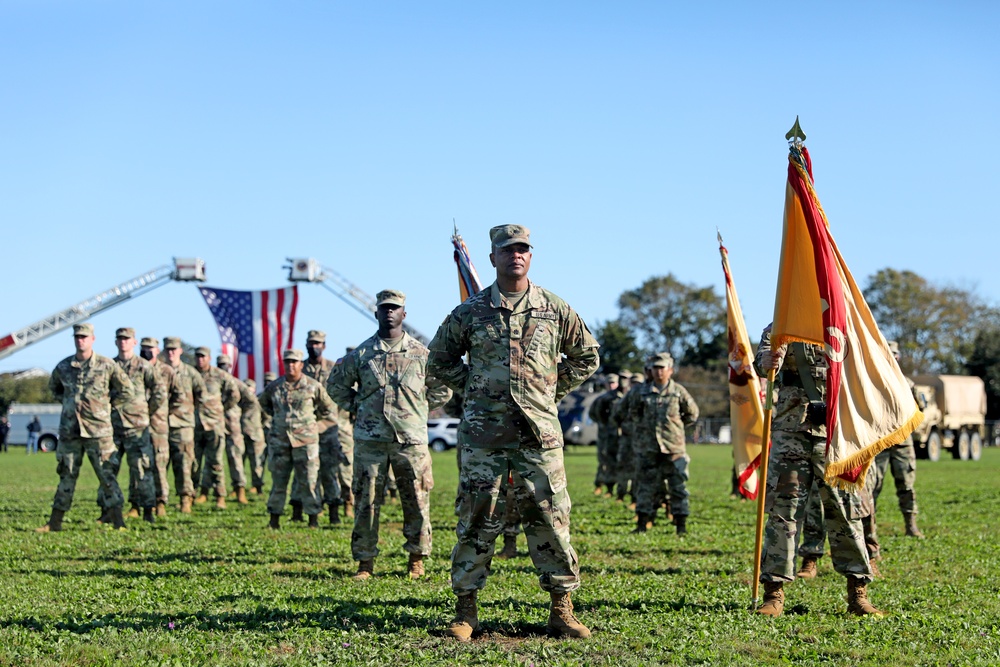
[(816, 413), (772, 358)]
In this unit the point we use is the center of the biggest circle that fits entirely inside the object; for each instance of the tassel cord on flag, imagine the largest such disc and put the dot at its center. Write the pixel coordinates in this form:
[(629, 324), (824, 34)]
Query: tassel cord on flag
[(762, 490)]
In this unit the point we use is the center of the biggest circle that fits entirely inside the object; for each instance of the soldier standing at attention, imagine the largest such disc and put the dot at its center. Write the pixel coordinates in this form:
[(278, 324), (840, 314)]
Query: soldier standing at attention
[(607, 436), (84, 384), (298, 410), (235, 447), (221, 395), (319, 368), (661, 411), (345, 472), (253, 434), (627, 441), (527, 349), (798, 457), (391, 401), (186, 395), (149, 349)]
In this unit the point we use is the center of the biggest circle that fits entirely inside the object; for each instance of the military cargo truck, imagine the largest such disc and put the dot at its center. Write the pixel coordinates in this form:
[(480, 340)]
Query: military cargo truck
[(954, 418)]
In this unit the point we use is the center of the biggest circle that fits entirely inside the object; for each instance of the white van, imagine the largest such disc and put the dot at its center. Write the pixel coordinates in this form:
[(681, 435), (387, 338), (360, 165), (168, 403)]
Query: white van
[(20, 415)]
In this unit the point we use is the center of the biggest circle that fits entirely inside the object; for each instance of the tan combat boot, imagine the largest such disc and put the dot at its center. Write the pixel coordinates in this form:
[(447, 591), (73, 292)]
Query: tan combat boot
[(598, 490), (872, 564), (774, 599), (161, 508), (562, 622), (185, 504), (133, 513), (54, 524), (911, 525), (241, 496), (365, 570), (809, 568), (857, 599), (416, 566), (220, 503), (202, 497), (466, 619), (509, 547), (349, 509)]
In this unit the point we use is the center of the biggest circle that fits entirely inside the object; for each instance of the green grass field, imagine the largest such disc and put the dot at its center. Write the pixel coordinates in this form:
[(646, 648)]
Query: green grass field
[(218, 588)]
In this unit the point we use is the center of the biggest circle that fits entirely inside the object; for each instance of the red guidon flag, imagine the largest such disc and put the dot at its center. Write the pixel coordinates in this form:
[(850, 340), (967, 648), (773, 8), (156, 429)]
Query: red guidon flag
[(869, 404), (746, 414)]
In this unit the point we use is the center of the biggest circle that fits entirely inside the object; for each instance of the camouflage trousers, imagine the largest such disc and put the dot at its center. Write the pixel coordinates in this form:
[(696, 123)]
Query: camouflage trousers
[(235, 449), (137, 449), (796, 460), (282, 459), (626, 464), (813, 525), (209, 448), (181, 441), (329, 466), (655, 470), (902, 461), (161, 461), (254, 450), (538, 477), (373, 462), (345, 475), (103, 457), (607, 458), (511, 513)]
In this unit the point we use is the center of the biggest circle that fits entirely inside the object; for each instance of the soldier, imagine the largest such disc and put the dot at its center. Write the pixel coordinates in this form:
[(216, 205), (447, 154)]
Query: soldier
[(392, 399), (319, 368), (298, 409), (149, 349), (527, 349), (626, 441), (235, 447), (798, 448), (131, 425), (902, 460), (88, 386), (185, 395), (607, 436), (253, 434), (345, 437), (221, 395), (661, 410)]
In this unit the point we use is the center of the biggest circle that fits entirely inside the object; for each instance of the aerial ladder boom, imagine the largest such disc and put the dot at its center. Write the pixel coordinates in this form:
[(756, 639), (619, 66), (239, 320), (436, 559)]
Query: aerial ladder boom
[(309, 270), (183, 269)]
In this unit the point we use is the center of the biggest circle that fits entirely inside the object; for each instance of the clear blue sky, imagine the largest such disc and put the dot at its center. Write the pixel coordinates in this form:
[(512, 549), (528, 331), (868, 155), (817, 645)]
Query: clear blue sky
[(621, 133)]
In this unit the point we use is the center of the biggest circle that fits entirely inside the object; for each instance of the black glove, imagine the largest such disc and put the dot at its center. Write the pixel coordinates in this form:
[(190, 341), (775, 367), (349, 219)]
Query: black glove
[(816, 413)]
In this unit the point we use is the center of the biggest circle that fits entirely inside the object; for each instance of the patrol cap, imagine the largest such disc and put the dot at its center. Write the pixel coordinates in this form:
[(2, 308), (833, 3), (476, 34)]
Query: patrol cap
[(203, 352), (392, 296), (250, 383), (612, 377), (292, 355), (661, 360), (223, 359), (625, 374), (85, 329), (894, 348), (638, 378), (316, 335), (505, 235), (125, 332), (172, 343), (269, 377), (149, 341)]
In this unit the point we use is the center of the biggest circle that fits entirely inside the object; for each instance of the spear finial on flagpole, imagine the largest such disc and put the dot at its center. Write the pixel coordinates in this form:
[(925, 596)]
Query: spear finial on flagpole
[(796, 135), (718, 233)]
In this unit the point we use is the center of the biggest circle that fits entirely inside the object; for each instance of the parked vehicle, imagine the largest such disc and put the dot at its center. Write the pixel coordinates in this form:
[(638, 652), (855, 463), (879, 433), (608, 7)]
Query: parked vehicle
[(442, 434), (955, 416), (20, 414), (578, 427)]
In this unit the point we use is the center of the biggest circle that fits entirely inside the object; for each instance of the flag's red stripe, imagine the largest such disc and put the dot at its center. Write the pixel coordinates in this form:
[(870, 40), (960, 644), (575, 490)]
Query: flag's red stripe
[(265, 332), (279, 311), (291, 317), (741, 480)]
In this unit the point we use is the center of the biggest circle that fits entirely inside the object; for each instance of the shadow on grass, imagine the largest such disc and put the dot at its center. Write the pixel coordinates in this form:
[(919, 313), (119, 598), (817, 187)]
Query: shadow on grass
[(109, 572)]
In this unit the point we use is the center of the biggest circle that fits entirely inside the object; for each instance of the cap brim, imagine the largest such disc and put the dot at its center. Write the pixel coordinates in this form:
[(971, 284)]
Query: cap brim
[(504, 244), (391, 302)]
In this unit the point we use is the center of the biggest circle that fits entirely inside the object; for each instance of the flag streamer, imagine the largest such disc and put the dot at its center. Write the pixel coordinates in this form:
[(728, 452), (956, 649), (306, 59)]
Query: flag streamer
[(468, 279)]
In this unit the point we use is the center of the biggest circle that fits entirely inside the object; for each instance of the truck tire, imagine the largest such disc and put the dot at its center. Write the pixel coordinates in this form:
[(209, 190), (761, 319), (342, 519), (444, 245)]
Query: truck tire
[(439, 445), (961, 449), (975, 447), (47, 443), (934, 446)]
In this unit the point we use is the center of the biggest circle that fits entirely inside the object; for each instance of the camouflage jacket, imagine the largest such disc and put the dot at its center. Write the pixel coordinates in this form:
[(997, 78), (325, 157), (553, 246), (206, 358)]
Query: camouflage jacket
[(516, 372), (298, 412), (158, 417), (791, 401), (620, 411), (321, 373), (88, 390), (250, 419), (394, 392), (221, 395), (150, 394), (186, 393), (233, 409), (660, 415), (600, 412)]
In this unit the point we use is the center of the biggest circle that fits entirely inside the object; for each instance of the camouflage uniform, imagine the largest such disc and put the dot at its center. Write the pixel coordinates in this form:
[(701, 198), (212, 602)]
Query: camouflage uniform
[(814, 524), (253, 433), (221, 396), (88, 390), (235, 446), (607, 437), (329, 447), (515, 377), (345, 439), (627, 454), (297, 413), (797, 459), (185, 395), (392, 399), (903, 462), (159, 431)]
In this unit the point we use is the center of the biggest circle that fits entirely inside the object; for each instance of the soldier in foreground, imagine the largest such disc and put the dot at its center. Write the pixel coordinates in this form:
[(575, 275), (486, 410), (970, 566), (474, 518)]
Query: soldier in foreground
[(319, 368), (149, 349), (527, 349), (607, 436), (798, 449), (298, 410), (235, 447), (393, 396), (185, 395), (84, 384), (221, 396)]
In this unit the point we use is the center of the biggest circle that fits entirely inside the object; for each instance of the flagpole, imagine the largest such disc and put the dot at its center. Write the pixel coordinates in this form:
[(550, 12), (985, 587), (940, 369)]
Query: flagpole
[(765, 454)]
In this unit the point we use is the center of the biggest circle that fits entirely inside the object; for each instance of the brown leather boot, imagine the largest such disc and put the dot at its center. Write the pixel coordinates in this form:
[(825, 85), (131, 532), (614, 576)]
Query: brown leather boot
[(297, 511), (873, 565), (232, 495), (562, 622), (54, 524), (509, 547), (857, 599), (147, 515), (202, 497), (334, 514), (911, 525), (241, 496), (416, 566), (186, 504), (133, 513), (809, 568), (220, 503), (466, 619), (117, 520), (161, 508), (275, 522), (774, 599), (314, 520), (598, 490), (349, 509), (365, 569)]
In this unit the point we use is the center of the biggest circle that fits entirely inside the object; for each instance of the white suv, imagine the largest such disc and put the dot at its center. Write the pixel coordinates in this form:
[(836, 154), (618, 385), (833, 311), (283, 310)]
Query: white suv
[(442, 434)]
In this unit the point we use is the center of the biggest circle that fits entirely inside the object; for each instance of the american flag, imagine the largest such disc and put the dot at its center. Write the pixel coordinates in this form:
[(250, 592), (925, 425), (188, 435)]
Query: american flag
[(255, 328)]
